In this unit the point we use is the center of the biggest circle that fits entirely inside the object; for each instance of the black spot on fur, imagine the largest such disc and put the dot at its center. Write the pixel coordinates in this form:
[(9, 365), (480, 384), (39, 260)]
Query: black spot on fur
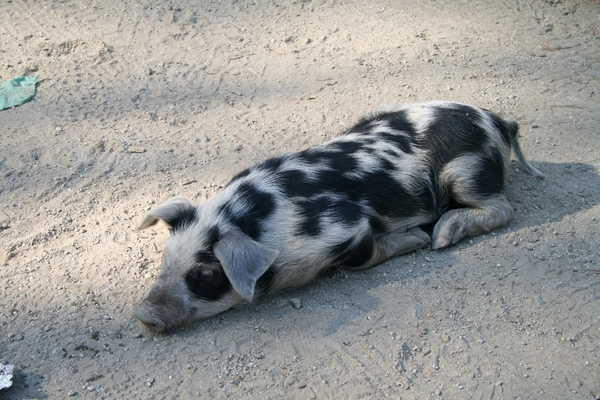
[(204, 283), (336, 159), (402, 142), (489, 176), (377, 190), (399, 132), (431, 196), (338, 183), (331, 179), (212, 237), (338, 210), (346, 148), (314, 156), (206, 257), (350, 255), (259, 206), (310, 211), (293, 183), (399, 122), (185, 218), (264, 283), (345, 212), (454, 131), (377, 225), (387, 197), (403, 139)]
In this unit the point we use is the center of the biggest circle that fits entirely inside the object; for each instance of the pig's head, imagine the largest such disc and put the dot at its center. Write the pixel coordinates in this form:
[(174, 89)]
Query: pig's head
[(203, 272)]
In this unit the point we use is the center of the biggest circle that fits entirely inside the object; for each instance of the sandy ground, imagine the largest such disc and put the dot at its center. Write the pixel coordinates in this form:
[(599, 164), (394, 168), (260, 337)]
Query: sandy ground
[(140, 101)]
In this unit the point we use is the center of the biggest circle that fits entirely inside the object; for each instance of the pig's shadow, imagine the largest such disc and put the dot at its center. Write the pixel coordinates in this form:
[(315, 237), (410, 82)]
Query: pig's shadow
[(568, 188), (330, 291)]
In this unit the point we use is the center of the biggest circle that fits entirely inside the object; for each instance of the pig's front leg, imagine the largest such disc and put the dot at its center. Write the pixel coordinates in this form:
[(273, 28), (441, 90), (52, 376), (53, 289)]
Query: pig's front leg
[(395, 243)]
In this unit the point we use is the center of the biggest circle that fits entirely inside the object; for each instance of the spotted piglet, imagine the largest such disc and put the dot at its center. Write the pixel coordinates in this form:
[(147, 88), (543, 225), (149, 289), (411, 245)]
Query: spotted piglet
[(352, 202)]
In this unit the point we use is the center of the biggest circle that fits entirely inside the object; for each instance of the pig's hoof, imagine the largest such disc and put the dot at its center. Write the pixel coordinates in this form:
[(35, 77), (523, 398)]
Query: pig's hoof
[(440, 243), (448, 230), (421, 237)]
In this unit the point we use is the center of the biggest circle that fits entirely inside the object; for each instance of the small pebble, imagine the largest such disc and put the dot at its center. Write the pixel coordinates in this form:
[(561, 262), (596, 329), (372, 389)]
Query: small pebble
[(134, 149), (72, 393), (296, 303), (186, 182)]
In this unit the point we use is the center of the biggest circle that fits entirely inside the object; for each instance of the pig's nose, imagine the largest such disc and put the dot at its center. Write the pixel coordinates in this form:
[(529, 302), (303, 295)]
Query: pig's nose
[(149, 320)]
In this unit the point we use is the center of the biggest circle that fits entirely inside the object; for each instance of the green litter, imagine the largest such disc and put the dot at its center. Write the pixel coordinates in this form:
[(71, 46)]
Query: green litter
[(17, 91)]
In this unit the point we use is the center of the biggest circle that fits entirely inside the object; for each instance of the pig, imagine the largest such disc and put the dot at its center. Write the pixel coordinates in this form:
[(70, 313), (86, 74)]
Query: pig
[(352, 202)]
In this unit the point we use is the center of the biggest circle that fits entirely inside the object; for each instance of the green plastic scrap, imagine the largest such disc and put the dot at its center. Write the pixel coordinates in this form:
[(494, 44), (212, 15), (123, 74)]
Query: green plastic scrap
[(17, 91)]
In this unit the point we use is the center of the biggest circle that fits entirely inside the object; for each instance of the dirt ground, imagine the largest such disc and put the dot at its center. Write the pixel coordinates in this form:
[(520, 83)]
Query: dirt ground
[(141, 101)]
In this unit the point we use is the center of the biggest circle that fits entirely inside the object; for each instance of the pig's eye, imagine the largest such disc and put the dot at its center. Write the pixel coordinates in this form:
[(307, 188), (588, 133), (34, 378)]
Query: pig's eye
[(206, 257), (206, 284)]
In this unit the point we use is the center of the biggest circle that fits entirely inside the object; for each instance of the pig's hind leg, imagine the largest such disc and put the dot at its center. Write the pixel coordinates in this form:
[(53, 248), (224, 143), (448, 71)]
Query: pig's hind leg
[(485, 206), (476, 182), (459, 223)]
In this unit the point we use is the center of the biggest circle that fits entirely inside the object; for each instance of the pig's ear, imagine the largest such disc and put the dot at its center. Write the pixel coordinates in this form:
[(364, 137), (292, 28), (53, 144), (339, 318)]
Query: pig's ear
[(173, 212), (244, 261)]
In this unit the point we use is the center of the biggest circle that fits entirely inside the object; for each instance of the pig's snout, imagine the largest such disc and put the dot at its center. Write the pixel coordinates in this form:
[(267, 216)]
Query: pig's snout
[(147, 315), (162, 308)]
